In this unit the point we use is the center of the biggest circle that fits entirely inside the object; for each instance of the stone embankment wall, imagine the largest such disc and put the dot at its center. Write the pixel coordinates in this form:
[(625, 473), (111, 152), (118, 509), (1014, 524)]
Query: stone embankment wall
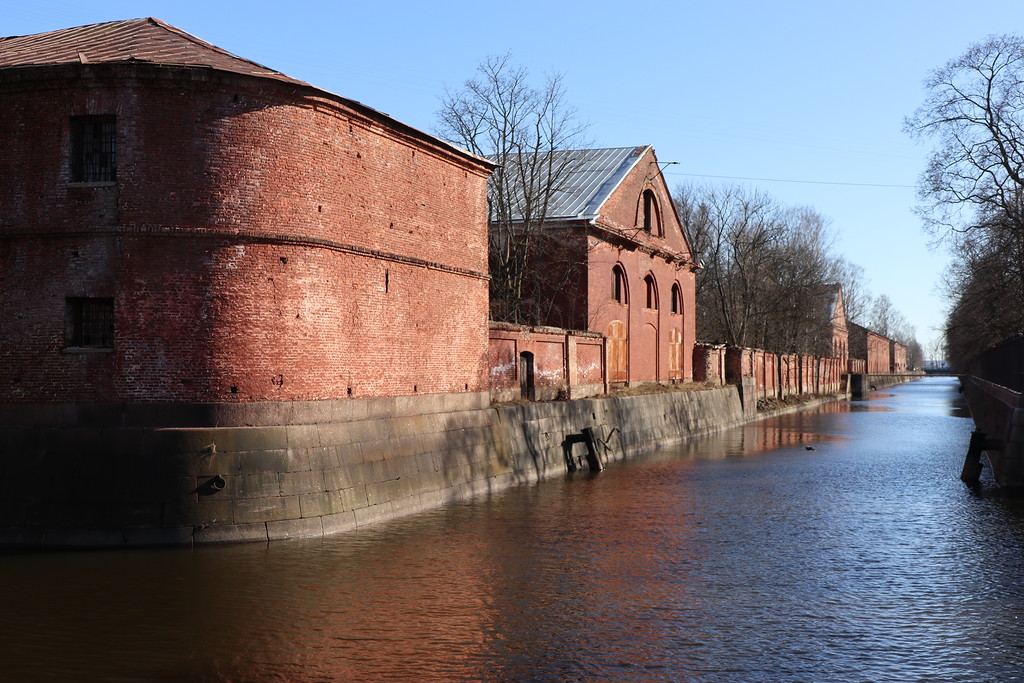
[(862, 384), (301, 470)]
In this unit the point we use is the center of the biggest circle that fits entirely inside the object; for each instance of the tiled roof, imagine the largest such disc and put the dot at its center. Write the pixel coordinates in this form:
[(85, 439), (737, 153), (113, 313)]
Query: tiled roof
[(592, 177), (130, 40)]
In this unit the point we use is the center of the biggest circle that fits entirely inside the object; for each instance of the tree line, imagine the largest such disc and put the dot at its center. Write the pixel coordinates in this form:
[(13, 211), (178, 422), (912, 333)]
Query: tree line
[(972, 190), (770, 273)]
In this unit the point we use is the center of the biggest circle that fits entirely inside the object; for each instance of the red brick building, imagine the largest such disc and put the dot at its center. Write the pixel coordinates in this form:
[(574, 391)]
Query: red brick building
[(898, 356), (183, 225), (637, 283), (872, 347), (236, 305)]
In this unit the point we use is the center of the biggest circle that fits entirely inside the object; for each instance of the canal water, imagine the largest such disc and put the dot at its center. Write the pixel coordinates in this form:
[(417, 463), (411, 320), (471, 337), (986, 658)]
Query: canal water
[(836, 544)]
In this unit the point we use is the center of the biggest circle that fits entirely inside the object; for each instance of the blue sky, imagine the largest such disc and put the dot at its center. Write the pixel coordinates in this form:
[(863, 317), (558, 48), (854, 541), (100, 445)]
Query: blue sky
[(802, 100)]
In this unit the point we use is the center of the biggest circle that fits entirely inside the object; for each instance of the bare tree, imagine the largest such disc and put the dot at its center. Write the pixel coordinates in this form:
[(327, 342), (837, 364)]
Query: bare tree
[(731, 229), (766, 269), (974, 111), (884, 319), (529, 133), (973, 188), (985, 288), (857, 299)]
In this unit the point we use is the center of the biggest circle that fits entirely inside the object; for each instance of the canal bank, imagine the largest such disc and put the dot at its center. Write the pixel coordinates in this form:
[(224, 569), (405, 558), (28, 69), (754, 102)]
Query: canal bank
[(182, 475), (300, 470), (743, 555)]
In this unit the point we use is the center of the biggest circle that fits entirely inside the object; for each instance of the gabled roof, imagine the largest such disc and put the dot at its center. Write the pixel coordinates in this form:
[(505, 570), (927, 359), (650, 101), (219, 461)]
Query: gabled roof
[(130, 40), (591, 179), (592, 182)]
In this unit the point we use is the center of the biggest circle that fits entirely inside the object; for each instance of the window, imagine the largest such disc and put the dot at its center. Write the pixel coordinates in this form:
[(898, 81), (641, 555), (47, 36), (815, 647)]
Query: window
[(652, 220), (677, 299), (652, 292), (93, 149), (89, 323), (619, 293)]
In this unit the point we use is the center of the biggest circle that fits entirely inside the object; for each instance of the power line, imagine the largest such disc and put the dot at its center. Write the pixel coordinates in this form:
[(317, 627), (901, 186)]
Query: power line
[(785, 180)]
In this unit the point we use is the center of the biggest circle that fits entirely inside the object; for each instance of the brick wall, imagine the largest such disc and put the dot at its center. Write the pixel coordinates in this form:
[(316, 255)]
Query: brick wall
[(567, 363), (262, 242)]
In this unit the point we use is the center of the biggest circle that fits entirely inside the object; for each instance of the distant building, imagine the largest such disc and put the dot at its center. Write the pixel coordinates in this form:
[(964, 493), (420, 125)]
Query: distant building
[(871, 347), (898, 356), (636, 283)]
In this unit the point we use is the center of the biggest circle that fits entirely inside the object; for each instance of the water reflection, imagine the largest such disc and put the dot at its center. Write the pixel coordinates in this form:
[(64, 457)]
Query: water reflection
[(742, 556)]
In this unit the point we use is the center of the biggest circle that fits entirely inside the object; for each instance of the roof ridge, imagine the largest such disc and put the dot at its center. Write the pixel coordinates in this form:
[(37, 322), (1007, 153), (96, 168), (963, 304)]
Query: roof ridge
[(181, 33), (145, 39)]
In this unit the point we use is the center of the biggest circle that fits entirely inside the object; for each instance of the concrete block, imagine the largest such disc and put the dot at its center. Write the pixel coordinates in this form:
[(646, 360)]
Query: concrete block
[(350, 498), (335, 433), (349, 410), (151, 536), (260, 462), (231, 533), (467, 419), (303, 436), (337, 478), (396, 490), (370, 430), (380, 408), (298, 483), (254, 510), (247, 439), (428, 462), (375, 451), (313, 412), (373, 514), (417, 405), (162, 441), (410, 425), (295, 528), (345, 521), (259, 485), (303, 459), (198, 514), (261, 414), (349, 455), (320, 504)]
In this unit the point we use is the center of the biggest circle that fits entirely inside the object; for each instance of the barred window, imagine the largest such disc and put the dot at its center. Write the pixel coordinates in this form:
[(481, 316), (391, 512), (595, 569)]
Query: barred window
[(93, 149), (89, 322)]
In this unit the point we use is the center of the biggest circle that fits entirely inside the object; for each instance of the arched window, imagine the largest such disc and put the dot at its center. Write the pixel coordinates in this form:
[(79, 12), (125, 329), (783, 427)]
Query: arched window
[(620, 294), (677, 299), (652, 291), (652, 217)]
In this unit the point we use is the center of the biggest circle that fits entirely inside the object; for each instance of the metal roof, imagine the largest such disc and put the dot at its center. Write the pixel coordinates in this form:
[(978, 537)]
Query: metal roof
[(592, 176), (129, 40)]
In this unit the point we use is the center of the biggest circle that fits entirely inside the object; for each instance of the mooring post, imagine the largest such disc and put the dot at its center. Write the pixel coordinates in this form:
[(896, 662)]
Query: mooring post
[(587, 437), (593, 459), (972, 464)]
